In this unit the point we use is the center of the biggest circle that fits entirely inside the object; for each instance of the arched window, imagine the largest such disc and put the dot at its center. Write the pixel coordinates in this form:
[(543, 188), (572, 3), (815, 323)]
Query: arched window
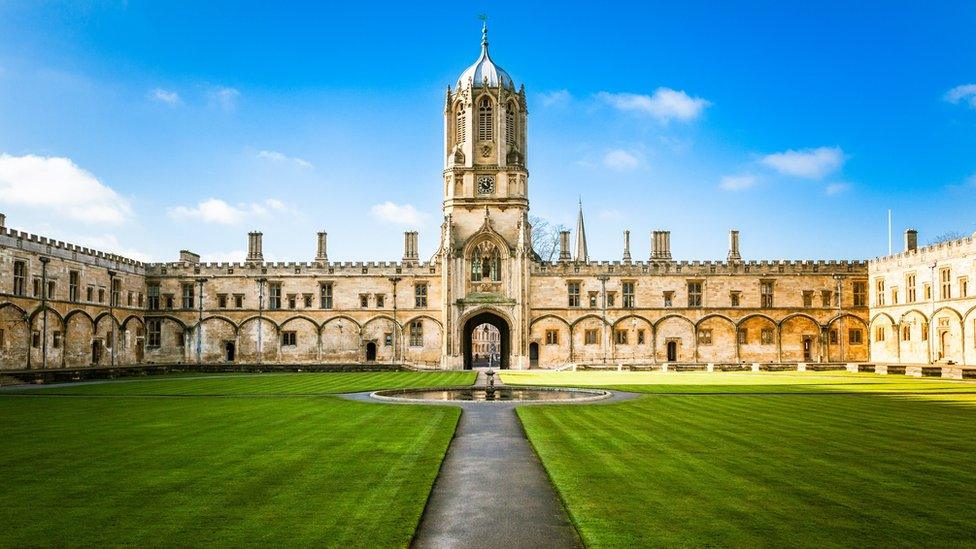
[(486, 263), (485, 126), (511, 126), (459, 124)]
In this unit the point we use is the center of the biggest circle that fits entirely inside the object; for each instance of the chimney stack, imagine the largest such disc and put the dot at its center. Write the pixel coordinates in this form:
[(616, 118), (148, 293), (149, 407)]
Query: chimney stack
[(627, 246), (661, 245), (734, 246), (911, 240), (254, 252), (186, 256), (3, 220), (564, 246), (410, 246), (322, 251)]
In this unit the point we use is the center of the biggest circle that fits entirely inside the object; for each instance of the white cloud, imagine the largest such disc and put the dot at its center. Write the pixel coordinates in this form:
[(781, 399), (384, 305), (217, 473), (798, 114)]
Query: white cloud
[(165, 96), (555, 98), (404, 214), (665, 104), (806, 163), (215, 210), (621, 160), (276, 156), (57, 184), (109, 243), (965, 92), (836, 188), (224, 97), (738, 182)]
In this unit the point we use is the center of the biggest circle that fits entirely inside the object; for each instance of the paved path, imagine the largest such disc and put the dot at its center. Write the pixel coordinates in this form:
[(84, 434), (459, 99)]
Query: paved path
[(492, 491)]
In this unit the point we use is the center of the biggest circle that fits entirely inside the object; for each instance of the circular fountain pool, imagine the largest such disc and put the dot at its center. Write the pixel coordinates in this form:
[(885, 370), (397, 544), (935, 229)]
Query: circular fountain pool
[(500, 394)]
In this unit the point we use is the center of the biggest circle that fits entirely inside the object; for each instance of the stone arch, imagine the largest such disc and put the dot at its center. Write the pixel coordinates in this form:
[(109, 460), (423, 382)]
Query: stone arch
[(913, 331), (948, 338), (107, 339), (749, 334), (716, 339), (306, 340), (133, 340), (847, 348), (13, 322), (486, 315), (678, 330), (551, 355), (800, 338), (54, 337), (340, 337), (79, 330), (429, 352), (885, 350), (215, 332), (639, 338), (599, 351), (223, 319), (589, 316), (257, 340), (40, 309)]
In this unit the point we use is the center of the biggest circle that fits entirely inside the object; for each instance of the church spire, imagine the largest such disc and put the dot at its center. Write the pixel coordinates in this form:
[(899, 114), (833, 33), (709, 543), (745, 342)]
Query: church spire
[(581, 254)]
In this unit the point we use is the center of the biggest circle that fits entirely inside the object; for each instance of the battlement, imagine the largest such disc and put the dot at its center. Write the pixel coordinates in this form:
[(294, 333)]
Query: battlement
[(292, 268), (56, 248), (943, 250), (703, 267)]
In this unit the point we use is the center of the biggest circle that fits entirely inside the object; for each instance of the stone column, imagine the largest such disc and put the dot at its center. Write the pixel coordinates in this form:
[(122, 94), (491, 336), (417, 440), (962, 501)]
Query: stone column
[(627, 246)]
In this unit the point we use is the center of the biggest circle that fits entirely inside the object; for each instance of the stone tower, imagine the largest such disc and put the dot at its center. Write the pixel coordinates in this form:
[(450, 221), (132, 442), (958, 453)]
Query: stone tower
[(486, 238)]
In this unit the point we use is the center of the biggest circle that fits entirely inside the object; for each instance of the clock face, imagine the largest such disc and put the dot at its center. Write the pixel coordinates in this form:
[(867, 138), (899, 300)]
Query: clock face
[(486, 184)]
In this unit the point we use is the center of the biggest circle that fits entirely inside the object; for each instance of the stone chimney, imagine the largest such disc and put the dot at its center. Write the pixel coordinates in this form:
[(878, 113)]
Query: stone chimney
[(186, 256), (911, 240), (321, 251), (734, 246), (627, 246), (3, 221), (410, 252), (661, 245), (564, 246), (254, 251)]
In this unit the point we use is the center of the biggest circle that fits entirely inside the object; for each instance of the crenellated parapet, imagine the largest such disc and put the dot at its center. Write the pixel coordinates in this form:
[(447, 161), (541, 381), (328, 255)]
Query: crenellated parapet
[(41, 245), (932, 253), (291, 268), (702, 268)]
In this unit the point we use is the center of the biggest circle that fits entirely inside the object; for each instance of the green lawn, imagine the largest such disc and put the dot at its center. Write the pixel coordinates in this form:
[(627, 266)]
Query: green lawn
[(838, 465), (231, 470)]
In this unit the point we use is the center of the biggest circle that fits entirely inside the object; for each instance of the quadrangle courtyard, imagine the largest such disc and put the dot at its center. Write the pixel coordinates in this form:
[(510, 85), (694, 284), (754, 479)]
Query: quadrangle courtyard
[(809, 459)]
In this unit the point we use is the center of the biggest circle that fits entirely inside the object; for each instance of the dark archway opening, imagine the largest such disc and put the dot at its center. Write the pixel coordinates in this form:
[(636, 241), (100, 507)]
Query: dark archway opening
[(476, 322), (370, 352), (533, 354), (672, 351), (96, 351), (229, 351)]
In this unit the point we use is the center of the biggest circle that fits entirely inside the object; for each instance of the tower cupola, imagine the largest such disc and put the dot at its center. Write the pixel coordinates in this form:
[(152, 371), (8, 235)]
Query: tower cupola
[(484, 71)]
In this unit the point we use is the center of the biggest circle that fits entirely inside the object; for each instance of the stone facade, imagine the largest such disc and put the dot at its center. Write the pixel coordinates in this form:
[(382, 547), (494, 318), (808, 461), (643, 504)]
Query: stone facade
[(548, 314), (923, 306)]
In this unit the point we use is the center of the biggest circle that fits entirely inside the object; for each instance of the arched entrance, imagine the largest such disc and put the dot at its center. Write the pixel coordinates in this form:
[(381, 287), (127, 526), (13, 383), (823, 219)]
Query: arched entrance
[(672, 351), (533, 354), (229, 350), (477, 322), (371, 352)]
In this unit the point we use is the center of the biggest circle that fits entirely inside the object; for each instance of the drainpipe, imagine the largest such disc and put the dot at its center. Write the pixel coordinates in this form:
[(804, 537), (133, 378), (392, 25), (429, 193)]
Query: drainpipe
[(44, 261), (111, 311), (394, 280), (200, 282), (606, 342), (261, 282)]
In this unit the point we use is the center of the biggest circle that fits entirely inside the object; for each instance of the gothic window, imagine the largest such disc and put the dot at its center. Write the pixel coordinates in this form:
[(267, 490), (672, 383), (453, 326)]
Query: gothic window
[(628, 292), (289, 339), (485, 126), (187, 296), (325, 295), (417, 333), (766, 294), (946, 277), (854, 336), (620, 337), (73, 286), (274, 295), (910, 288), (860, 294), (511, 128), (420, 295), (153, 333), (20, 277), (552, 337), (766, 336), (459, 123), (694, 293), (704, 337), (590, 337), (574, 294), (486, 263)]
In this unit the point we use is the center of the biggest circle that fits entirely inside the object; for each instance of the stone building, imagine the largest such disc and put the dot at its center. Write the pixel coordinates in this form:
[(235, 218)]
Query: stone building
[(923, 308), (66, 306)]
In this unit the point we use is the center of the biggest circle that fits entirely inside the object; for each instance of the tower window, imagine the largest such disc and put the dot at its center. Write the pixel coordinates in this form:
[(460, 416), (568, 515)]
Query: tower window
[(459, 124), (485, 126), (511, 130)]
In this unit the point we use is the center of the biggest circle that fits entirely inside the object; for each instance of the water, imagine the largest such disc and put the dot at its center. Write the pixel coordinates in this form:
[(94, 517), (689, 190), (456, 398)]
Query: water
[(501, 394)]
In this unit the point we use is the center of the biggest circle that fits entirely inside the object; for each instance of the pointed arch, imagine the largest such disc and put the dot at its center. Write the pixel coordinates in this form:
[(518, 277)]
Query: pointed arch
[(221, 318), (133, 317), (791, 316), (886, 315), (40, 309), (341, 317), (550, 315), (485, 106), (301, 317), (863, 322), (427, 317), (945, 308), (102, 315), (901, 319), (15, 306), (588, 316), (659, 321), (381, 317), (167, 317), (715, 315), (756, 315), (969, 312), (631, 315), (259, 318), (81, 312)]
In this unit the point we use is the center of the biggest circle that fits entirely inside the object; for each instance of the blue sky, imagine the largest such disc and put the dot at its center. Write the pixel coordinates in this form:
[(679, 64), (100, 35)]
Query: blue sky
[(145, 128)]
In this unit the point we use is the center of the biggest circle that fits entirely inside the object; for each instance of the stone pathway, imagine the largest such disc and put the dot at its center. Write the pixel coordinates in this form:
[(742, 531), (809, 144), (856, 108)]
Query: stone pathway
[(492, 491)]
